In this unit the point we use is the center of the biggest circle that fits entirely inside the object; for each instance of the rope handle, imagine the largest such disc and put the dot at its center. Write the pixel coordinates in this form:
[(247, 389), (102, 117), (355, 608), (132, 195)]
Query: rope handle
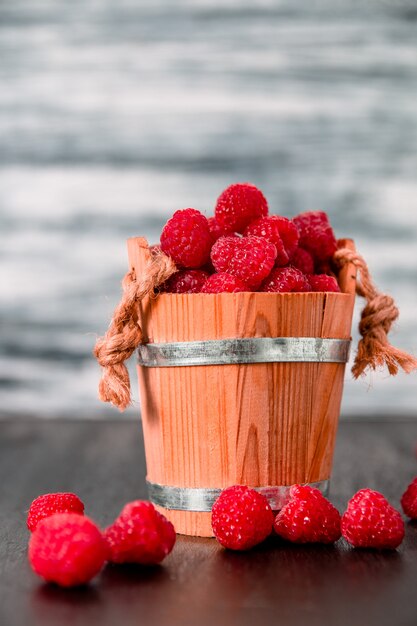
[(377, 317), (125, 334)]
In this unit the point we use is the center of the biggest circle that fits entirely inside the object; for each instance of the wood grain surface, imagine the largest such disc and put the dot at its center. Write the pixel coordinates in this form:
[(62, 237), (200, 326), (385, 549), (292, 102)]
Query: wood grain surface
[(200, 583), (255, 424)]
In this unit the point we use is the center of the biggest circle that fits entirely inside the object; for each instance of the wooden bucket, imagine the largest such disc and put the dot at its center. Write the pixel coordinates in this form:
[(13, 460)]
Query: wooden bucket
[(265, 424)]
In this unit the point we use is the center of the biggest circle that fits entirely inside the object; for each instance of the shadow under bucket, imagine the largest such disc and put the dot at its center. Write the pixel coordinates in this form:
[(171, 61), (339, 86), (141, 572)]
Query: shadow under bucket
[(259, 410)]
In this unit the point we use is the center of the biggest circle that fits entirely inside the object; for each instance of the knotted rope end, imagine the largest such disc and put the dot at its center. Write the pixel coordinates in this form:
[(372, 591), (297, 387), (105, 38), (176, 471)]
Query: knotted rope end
[(124, 333), (380, 312)]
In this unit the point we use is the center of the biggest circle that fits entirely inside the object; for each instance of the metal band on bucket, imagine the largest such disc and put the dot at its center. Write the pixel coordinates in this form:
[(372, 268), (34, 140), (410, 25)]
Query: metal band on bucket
[(202, 499), (248, 350)]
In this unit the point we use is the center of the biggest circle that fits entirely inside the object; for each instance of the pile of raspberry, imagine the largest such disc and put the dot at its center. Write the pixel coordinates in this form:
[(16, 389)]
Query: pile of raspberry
[(242, 518), (68, 548), (244, 248)]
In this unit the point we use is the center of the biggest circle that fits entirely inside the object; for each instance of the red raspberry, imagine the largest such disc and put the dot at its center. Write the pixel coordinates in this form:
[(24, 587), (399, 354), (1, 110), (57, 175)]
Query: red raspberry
[(308, 517), (67, 549), (286, 279), (316, 234), (223, 251), (269, 228), (241, 518), (277, 230), (289, 234), (323, 282), (303, 261), (50, 503), (324, 267), (249, 258), (216, 230), (224, 283), (238, 205), (409, 500), (186, 238), (140, 535), (371, 522), (185, 281)]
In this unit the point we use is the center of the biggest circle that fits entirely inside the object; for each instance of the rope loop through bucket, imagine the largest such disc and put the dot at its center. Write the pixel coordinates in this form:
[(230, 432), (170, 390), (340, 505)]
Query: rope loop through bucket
[(377, 317), (125, 334)]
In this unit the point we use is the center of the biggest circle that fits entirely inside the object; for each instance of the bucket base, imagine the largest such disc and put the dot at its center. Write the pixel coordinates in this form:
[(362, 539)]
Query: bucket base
[(189, 509)]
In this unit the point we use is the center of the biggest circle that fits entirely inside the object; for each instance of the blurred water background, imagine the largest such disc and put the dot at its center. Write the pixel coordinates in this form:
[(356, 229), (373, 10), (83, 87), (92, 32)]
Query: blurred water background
[(115, 114)]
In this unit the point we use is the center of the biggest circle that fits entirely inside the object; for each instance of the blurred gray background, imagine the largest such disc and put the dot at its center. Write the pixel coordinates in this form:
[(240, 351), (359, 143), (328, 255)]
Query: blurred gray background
[(115, 114)]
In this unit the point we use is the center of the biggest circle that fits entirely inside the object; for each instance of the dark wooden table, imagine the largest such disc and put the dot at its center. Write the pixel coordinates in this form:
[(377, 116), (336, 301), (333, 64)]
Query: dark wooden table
[(200, 583)]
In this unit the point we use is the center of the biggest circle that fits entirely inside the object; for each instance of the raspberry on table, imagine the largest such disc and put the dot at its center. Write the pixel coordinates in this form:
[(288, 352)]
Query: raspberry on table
[(186, 238), (286, 279), (371, 522), (241, 518), (316, 234), (185, 281), (223, 283), (409, 500), (140, 535), (323, 282), (67, 549), (277, 230), (238, 205), (302, 260), (308, 517), (250, 259), (50, 503)]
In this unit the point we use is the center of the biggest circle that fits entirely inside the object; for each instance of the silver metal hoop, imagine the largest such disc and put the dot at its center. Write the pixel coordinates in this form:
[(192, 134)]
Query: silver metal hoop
[(247, 350), (202, 499)]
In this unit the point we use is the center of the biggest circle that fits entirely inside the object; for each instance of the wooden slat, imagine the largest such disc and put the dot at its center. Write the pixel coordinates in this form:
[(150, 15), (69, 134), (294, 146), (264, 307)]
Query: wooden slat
[(347, 275)]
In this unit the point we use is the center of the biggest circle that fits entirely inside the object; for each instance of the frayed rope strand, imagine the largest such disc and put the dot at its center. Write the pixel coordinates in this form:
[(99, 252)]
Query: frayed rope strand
[(124, 333), (378, 315)]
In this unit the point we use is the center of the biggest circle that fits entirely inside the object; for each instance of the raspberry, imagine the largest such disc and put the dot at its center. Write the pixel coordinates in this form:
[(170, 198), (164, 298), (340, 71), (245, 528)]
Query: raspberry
[(316, 234), (323, 282), (223, 251), (216, 230), (50, 503), (286, 279), (409, 500), (67, 549), (140, 535), (277, 230), (324, 267), (185, 281), (303, 261), (269, 228), (222, 283), (241, 518), (186, 238), (289, 234), (248, 258), (238, 205), (371, 522), (308, 517)]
